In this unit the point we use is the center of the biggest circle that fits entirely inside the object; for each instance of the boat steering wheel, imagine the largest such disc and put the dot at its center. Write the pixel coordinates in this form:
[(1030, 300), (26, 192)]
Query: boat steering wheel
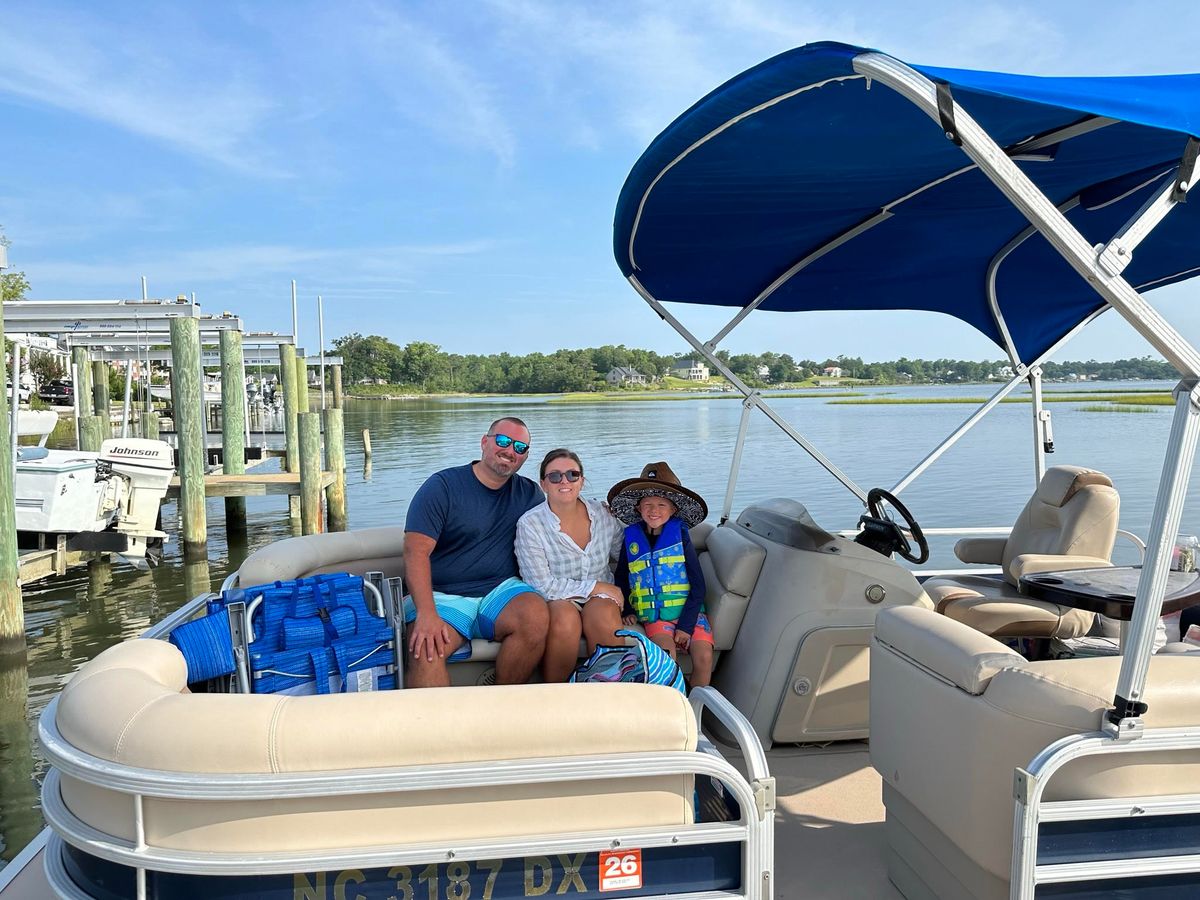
[(881, 533)]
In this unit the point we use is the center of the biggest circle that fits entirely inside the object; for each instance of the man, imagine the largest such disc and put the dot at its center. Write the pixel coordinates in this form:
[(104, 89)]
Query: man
[(461, 568)]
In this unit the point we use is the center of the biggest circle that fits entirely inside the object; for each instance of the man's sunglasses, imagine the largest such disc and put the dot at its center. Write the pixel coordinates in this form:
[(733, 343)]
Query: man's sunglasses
[(503, 441), (572, 475)]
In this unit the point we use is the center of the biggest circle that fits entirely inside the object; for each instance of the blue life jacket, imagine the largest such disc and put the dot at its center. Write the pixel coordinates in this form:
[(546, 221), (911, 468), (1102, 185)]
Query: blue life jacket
[(658, 582)]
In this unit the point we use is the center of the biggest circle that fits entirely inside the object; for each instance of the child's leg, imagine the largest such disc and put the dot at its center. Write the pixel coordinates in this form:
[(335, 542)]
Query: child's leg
[(666, 641), (701, 653)]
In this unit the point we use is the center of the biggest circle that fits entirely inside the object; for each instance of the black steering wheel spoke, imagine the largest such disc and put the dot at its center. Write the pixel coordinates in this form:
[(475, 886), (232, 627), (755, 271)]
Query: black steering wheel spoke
[(882, 533)]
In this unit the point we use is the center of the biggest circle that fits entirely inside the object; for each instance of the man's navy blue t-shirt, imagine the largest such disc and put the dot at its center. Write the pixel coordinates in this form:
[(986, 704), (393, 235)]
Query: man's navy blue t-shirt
[(474, 526)]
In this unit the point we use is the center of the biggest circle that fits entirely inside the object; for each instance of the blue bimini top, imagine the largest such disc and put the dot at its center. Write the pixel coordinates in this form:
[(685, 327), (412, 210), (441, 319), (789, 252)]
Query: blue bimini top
[(788, 160)]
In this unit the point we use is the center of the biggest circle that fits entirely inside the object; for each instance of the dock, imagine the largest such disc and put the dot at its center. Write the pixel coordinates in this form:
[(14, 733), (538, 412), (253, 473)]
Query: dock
[(251, 485), (33, 565)]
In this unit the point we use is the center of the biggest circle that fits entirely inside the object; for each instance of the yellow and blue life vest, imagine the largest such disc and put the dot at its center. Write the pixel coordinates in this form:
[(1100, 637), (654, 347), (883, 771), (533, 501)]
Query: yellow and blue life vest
[(658, 581)]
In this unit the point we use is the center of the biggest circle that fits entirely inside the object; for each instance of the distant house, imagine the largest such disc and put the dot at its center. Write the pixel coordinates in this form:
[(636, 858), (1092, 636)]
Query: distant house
[(763, 372), (832, 371), (624, 375), (690, 370)]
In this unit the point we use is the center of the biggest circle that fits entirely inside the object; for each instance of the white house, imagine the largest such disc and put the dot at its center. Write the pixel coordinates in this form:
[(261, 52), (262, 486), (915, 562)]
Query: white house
[(763, 372), (690, 370), (832, 371), (624, 375)]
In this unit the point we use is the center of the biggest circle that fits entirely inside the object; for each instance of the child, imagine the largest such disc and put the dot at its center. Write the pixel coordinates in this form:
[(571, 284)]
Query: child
[(658, 568)]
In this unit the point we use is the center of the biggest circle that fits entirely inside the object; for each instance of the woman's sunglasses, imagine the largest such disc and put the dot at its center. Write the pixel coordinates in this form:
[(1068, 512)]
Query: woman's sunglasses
[(572, 475), (503, 441)]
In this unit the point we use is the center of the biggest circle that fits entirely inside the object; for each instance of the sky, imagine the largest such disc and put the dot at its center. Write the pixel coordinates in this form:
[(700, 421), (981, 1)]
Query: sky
[(447, 172)]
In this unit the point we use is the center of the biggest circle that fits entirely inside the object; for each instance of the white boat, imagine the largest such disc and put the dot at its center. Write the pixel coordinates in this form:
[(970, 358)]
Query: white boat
[(99, 501), (815, 180)]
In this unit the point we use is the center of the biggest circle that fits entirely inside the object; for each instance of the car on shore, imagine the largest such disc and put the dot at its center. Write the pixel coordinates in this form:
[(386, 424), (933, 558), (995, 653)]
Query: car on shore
[(58, 392)]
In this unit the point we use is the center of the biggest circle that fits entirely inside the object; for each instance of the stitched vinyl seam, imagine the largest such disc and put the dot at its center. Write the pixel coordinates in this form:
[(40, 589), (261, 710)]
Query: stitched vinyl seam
[(120, 745), (272, 735), (1092, 528)]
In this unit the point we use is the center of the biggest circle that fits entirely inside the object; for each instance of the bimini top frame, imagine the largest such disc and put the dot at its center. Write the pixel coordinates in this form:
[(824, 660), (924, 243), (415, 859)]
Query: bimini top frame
[(795, 186)]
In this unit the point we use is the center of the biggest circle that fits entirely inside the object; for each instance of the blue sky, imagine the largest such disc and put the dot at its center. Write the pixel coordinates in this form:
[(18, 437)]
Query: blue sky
[(448, 171)]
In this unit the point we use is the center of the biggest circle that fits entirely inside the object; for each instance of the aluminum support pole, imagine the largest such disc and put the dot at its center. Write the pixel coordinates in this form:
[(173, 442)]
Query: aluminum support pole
[(321, 338), (1138, 646), (1039, 426), (128, 396), (747, 405), (970, 422), (747, 391)]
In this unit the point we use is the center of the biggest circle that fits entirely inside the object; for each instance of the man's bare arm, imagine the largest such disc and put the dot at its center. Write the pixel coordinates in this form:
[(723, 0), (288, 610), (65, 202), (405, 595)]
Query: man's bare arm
[(429, 633)]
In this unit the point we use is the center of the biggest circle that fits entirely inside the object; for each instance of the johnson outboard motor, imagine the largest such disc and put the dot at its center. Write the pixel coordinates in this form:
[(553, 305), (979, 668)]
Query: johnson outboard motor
[(145, 467)]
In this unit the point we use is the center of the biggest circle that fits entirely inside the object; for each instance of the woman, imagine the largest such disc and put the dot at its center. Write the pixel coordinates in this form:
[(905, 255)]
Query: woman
[(565, 548)]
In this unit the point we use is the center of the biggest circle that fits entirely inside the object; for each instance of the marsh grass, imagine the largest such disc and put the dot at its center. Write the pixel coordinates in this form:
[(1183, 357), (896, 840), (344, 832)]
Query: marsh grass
[(1146, 399), (622, 397), (1114, 408)]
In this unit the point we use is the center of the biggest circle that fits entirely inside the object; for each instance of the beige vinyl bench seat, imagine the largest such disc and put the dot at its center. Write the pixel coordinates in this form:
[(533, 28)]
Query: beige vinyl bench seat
[(954, 712), (130, 706), (731, 564)]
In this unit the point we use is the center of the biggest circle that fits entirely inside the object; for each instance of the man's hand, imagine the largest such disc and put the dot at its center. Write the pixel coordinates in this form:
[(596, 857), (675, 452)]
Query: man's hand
[(429, 634), (683, 640)]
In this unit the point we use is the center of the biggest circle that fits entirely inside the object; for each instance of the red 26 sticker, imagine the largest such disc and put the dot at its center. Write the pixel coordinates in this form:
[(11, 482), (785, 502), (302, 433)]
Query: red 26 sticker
[(620, 869)]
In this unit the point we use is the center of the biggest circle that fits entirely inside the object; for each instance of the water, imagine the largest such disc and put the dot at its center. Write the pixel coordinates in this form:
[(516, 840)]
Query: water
[(983, 480)]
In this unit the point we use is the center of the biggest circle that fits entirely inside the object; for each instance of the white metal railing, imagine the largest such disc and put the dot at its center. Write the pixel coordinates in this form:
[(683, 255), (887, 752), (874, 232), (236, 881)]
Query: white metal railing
[(1030, 811), (754, 830)]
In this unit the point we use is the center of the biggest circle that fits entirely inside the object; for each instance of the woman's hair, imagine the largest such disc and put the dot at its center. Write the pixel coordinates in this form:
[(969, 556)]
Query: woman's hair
[(559, 453)]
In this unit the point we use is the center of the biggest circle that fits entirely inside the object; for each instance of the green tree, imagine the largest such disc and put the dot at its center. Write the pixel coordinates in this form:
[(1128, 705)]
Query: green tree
[(13, 285)]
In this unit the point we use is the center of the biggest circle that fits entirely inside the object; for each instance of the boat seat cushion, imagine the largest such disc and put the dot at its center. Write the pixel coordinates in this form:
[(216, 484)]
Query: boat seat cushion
[(357, 552), (129, 706), (948, 731), (1070, 522), (990, 605)]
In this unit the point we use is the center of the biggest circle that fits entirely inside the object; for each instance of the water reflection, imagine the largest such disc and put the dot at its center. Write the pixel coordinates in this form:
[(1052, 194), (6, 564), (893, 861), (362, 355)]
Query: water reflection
[(18, 784)]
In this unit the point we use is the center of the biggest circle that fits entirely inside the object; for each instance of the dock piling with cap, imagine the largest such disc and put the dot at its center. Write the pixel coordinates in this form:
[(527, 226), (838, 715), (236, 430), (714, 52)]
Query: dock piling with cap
[(189, 426)]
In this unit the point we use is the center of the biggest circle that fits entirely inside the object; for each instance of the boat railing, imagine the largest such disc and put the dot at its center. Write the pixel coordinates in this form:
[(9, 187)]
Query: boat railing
[(754, 797), (1168, 823)]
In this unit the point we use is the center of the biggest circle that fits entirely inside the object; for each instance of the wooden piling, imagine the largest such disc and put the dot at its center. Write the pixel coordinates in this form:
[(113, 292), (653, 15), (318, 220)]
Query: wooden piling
[(302, 380), (149, 422), (12, 612), (233, 422), (337, 387), (367, 443), (91, 433), (291, 407), (189, 428), (335, 462), (102, 397), (309, 427)]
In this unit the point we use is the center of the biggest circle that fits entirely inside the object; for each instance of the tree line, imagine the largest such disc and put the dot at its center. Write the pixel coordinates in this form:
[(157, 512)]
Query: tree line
[(423, 366)]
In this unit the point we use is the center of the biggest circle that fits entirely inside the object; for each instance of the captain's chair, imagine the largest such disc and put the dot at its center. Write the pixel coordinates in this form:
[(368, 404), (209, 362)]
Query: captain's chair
[(1069, 523)]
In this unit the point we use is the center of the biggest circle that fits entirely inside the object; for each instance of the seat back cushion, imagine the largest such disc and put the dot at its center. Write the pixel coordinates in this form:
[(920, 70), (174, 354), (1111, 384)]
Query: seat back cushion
[(128, 706), (1074, 512), (357, 552), (731, 564)]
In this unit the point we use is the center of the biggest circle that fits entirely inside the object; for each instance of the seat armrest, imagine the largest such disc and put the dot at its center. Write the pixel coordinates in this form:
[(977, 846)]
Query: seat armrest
[(985, 550), (949, 650), (1036, 563)]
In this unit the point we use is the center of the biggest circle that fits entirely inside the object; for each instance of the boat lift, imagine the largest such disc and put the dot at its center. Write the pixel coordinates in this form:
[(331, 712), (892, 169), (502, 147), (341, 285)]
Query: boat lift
[(809, 183)]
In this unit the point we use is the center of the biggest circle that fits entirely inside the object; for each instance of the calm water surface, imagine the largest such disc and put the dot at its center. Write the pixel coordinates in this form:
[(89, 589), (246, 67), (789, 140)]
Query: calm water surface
[(983, 480)]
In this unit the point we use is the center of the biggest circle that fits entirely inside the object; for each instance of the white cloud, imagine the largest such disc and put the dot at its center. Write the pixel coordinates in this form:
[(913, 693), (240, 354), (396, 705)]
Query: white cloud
[(122, 76)]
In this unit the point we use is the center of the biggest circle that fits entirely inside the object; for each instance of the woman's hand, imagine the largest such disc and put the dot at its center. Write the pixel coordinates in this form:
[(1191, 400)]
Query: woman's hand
[(630, 619), (610, 590)]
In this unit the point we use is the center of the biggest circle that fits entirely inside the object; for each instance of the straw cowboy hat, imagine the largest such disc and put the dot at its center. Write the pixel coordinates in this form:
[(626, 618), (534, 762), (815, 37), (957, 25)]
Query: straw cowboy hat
[(656, 480)]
